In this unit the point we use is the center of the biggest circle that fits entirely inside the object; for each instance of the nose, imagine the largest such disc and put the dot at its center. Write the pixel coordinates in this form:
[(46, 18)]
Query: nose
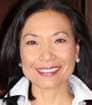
[(47, 54)]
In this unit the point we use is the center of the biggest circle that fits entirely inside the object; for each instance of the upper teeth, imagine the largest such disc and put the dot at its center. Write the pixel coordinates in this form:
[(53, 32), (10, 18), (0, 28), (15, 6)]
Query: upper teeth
[(48, 70)]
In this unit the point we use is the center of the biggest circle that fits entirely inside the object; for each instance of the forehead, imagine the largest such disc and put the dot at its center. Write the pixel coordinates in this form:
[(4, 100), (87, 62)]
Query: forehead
[(47, 19)]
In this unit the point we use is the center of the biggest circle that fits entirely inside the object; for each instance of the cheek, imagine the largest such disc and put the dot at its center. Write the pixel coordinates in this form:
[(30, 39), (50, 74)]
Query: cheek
[(27, 60), (67, 56), (66, 52), (28, 54)]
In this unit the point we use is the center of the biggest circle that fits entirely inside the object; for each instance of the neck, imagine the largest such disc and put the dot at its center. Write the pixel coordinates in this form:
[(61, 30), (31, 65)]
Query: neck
[(52, 96)]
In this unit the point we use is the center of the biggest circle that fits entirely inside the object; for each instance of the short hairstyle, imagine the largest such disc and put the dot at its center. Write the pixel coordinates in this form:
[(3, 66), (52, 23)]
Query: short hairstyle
[(10, 56)]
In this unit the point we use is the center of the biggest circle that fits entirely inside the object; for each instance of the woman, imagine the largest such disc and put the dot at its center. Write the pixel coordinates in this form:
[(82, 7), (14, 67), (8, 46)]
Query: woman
[(46, 54)]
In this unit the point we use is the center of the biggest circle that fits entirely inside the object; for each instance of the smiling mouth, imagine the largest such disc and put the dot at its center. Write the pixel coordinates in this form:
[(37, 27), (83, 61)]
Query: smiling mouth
[(48, 72)]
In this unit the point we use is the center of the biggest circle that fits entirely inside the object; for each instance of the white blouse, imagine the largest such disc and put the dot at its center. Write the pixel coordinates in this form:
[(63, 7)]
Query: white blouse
[(80, 90)]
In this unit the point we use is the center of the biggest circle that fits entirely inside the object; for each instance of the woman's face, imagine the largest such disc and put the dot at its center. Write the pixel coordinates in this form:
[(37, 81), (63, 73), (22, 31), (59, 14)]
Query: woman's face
[(48, 50)]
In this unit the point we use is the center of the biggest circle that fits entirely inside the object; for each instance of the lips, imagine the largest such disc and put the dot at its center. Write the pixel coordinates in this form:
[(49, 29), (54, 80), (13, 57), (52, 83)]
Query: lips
[(48, 71)]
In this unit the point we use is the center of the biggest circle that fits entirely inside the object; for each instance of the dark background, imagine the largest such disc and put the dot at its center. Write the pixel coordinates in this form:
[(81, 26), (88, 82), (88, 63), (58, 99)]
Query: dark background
[(83, 6)]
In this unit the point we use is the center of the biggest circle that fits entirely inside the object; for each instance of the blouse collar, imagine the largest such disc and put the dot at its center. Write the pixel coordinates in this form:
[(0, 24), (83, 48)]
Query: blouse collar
[(80, 90)]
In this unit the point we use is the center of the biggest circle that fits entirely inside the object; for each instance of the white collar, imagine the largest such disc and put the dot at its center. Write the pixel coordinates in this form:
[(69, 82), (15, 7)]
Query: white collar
[(21, 88), (80, 90)]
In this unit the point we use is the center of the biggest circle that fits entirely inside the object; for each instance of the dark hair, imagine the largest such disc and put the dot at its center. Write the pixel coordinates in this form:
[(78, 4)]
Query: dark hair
[(10, 57)]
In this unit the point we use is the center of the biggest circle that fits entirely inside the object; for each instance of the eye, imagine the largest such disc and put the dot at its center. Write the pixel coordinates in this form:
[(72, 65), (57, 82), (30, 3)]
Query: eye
[(61, 40), (31, 42)]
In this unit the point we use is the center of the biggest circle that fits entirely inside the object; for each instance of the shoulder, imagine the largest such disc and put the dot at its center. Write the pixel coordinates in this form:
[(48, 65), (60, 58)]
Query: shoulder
[(80, 90), (20, 88), (17, 94)]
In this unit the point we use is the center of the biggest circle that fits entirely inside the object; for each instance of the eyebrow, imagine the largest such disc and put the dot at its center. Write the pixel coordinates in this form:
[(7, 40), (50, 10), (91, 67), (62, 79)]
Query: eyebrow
[(54, 34), (60, 32), (30, 34)]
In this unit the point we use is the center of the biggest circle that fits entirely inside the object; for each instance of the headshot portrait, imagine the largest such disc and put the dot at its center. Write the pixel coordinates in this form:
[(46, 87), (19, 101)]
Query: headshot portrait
[(46, 55)]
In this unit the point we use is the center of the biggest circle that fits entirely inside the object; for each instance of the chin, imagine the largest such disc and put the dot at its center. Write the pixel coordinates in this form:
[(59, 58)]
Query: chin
[(47, 85)]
